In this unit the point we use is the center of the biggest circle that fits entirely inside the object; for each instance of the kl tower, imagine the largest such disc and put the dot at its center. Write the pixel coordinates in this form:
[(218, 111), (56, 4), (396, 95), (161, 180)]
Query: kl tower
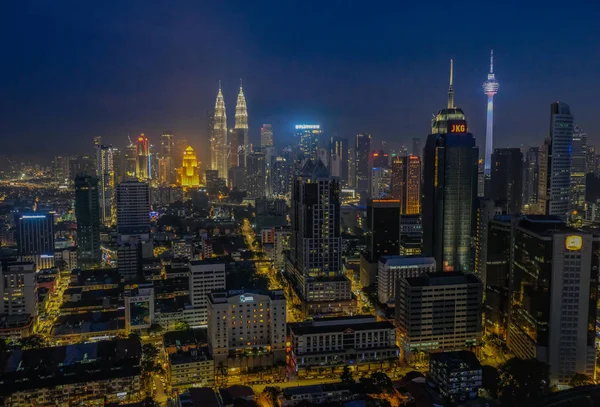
[(490, 88)]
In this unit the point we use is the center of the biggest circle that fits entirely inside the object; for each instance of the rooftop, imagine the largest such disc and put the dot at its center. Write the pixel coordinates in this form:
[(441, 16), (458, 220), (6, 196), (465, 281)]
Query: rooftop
[(457, 358), (303, 329), (442, 278), (80, 363), (406, 260)]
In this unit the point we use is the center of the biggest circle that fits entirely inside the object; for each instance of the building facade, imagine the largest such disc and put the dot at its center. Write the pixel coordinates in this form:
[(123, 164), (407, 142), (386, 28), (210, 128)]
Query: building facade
[(341, 341), (555, 163), (392, 268), (87, 212), (553, 296), (439, 312), (239, 321)]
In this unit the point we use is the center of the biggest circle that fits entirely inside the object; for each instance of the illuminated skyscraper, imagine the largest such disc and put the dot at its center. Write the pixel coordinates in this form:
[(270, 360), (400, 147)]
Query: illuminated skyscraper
[(315, 258), (88, 212), (362, 147), (506, 179), (308, 136), (105, 171), (406, 183), (555, 163), (266, 135), (218, 141), (142, 169), (241, 119), (256, 175), (166, 167), (578, 169), (189, 171), (450, 160), (490, 87)]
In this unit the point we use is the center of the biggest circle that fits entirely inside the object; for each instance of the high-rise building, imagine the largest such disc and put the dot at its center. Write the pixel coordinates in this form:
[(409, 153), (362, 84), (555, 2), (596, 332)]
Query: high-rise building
[(255, 175), (383, 228), (237, 148), (411, 235), (531, 178), (35, 238), (555, 163), (591, 166), (362, 147), (130, 161), (266, 135), (554, 280), (218, 141), (61, 169), (281, 170), (439, 312), (578, 169), (339, 149), (308, 136), (406, 183), (190, 176), (241, 120), (166, 166), (206, 276), (450, 188), (485, 211), (379, 183), (142, 149), (497, 274), (490, 88), (133, 208), (315, 258), (506, 181), (87, 212), (105, 172)]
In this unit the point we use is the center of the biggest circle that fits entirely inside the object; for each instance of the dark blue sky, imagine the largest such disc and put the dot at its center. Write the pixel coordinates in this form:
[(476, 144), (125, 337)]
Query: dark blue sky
[(71, 70)]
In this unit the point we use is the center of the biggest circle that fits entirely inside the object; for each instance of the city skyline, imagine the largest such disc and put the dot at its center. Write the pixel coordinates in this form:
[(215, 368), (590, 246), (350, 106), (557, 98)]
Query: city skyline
[(298, 94)]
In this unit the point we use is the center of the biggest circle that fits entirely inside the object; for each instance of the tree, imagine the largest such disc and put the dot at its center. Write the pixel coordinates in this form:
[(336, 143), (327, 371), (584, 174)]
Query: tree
[(156, 328), (33, 342), (382, 382), (346, 376), (182, 326), (490, 380), (523, 381), (580, 379)]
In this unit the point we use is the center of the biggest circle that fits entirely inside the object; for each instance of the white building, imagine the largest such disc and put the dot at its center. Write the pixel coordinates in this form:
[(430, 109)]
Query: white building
[(19, 289), (342, 341), (392, 268), (242, 321), (206, 276)]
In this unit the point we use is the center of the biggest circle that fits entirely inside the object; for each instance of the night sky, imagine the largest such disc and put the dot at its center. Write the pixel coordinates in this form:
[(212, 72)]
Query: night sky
[(72, 70)]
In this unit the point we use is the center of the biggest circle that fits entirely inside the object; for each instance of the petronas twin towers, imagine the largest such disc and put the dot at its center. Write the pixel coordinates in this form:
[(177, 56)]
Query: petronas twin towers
[(219, 143)]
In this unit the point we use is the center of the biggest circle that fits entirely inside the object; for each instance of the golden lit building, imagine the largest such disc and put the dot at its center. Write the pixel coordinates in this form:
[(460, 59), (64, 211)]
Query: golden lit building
[(189, 176)]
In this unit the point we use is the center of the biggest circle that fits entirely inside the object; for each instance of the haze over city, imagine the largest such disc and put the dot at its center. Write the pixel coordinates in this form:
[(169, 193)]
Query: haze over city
[(76, 70)]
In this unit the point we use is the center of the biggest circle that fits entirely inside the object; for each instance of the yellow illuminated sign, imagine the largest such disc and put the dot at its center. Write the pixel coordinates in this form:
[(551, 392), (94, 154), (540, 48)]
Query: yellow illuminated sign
[(573, 243), (458, 128)]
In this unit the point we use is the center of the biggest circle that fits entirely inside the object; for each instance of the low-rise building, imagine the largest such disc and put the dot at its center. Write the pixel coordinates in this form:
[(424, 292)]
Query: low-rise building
[(191, 368), (316, 394), (81, 374), (342, 341), (458, 375)]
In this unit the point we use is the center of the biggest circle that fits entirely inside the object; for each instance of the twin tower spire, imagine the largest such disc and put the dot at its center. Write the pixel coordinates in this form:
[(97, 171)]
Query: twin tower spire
[(241, 111), (219, 144)]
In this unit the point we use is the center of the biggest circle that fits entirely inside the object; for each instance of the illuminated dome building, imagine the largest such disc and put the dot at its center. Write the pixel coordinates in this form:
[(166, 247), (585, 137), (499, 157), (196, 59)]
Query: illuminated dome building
[(189, 170)]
